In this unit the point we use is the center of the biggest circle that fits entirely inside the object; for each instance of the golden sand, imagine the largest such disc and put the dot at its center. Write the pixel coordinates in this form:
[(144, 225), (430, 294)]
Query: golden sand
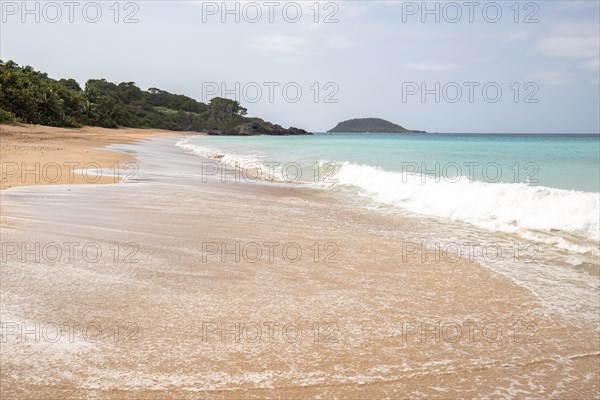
[(199, 317), (30, 153)]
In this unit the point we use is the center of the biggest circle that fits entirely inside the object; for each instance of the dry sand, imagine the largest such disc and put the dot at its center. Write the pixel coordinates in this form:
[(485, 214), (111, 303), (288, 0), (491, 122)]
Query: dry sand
[(199, 322), (30, 153)]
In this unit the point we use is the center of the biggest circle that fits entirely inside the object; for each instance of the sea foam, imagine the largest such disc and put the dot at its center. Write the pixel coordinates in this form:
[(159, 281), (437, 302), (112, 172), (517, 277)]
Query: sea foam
[(508, 207), (567, 219)]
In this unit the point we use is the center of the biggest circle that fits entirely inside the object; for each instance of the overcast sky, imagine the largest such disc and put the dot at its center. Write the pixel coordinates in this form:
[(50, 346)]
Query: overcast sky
[(373, 57)]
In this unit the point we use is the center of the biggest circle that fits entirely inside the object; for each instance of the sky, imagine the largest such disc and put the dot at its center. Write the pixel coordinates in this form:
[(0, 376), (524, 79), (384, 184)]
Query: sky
[(469, 67)]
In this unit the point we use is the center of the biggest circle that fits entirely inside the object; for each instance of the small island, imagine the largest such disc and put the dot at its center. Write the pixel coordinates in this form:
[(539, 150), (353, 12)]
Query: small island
[(374, 125)]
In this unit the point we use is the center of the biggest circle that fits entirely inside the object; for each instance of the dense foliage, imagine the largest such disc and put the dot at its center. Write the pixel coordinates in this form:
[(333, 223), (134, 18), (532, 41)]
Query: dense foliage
[(29, 96)]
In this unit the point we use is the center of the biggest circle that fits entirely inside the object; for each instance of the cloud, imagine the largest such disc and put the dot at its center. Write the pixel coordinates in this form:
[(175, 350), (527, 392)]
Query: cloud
[(352, 9), (283, 44), (292, 47), (577, 5), (570, 40), (591, 65), (340, 42), (430, 66), (518, 36), (555, 77)]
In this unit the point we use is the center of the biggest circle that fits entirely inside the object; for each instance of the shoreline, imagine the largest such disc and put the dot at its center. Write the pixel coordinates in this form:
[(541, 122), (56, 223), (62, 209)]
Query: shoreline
[(361, 319), (42, 155)]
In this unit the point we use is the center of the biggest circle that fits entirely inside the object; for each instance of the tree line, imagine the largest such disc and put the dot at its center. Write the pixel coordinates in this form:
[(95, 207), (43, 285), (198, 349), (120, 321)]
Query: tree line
[(29, 96)]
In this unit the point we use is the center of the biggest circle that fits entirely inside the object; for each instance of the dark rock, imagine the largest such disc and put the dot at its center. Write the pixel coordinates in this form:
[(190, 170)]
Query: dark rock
[(261, 128)]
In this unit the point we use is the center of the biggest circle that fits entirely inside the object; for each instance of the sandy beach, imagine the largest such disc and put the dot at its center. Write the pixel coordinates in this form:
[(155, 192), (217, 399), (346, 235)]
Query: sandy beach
[(168, 284), (300, 200), (44, 155)]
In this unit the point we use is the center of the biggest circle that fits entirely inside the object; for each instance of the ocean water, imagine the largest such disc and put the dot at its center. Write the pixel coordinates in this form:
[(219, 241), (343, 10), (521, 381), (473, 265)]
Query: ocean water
[(544, 188)]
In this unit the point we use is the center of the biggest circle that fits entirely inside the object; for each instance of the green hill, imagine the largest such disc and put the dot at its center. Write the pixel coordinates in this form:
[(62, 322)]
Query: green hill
[(375, 125), (31, 97)]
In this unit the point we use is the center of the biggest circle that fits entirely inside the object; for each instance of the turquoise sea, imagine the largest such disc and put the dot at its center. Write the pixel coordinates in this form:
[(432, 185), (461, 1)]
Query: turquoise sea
[(537, 186)]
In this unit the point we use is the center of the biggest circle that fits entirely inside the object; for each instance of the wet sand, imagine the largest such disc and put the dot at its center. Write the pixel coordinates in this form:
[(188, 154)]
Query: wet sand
[(44, 155), (161, 303)]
